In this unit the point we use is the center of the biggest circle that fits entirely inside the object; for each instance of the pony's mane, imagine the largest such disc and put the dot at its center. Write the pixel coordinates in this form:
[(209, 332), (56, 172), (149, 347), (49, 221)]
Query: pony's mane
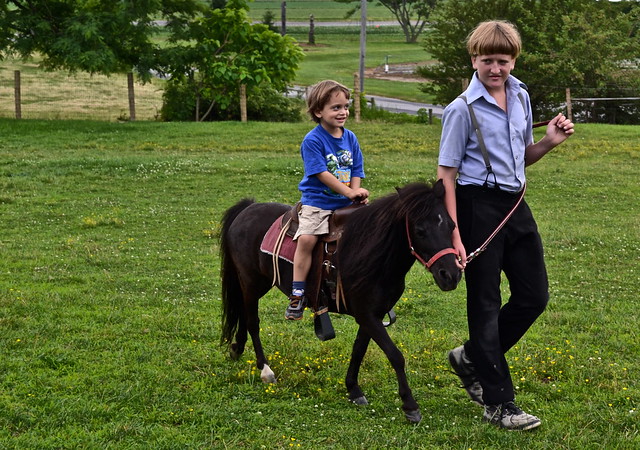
[(373, 232)]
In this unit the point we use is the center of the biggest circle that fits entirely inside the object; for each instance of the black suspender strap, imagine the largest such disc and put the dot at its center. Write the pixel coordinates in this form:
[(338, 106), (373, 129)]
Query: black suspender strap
[(483, 147), (476, 126)]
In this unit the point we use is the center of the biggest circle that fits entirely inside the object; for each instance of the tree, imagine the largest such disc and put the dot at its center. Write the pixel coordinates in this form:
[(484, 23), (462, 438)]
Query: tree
[(214, 54), (94, 36), (585, 45), (412, 15)]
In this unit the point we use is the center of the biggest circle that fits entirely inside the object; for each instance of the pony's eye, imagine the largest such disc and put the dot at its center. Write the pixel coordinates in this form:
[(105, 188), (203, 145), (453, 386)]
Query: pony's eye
[(420, 232)]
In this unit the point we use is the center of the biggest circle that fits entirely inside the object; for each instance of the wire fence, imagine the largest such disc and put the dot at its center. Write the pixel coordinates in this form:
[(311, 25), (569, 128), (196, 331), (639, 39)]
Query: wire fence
[(59, 95), (31, 93)]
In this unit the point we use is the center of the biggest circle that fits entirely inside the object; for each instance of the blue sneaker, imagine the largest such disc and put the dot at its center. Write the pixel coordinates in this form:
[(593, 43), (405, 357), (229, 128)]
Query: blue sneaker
[(295, 310)]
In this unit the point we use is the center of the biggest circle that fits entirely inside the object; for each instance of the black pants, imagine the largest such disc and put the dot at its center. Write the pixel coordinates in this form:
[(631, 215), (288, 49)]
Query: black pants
[(516, 251)]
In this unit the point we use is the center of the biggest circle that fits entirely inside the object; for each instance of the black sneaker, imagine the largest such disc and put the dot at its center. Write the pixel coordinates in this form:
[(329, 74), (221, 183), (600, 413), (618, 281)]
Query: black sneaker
[(510, 417), (463, 367), (295, 310)]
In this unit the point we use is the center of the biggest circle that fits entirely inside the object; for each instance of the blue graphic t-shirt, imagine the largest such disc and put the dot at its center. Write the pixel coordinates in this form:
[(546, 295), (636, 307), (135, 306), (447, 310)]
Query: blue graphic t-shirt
[(340, 156)]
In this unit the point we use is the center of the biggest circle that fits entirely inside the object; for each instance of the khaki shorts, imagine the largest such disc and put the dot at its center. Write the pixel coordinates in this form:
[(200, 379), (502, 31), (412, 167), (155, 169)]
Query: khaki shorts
[(313, 221)]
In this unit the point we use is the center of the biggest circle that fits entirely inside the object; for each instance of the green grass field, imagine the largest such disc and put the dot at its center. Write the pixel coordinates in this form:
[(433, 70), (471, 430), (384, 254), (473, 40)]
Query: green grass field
[(336, 56), (110, 297)]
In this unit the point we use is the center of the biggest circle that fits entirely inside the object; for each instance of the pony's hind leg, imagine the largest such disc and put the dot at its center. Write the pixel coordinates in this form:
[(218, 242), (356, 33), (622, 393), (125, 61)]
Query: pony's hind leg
[(266, 374), (360, 346), (253, 328)]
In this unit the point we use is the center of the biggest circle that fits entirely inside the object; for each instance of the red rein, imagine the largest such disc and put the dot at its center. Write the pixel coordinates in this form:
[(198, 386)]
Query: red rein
[(448, 251)]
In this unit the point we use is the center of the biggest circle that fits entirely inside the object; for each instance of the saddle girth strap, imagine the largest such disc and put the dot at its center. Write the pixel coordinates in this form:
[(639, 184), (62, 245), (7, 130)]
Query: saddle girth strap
[(276, 253)]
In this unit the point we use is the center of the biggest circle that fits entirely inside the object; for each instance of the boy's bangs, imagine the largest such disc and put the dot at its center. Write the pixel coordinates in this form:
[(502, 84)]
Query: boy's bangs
[(495, 37)]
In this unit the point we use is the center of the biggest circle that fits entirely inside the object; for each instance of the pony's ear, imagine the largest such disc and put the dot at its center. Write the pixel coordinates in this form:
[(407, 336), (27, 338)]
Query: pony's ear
[(398, 189), (438, 188)]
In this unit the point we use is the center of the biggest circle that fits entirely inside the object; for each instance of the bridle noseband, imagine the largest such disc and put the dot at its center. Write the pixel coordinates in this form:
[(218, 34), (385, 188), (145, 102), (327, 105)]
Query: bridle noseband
[(434, 258)]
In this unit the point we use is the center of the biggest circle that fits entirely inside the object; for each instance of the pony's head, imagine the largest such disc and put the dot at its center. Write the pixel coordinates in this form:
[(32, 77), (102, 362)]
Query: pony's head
[(429, 228)]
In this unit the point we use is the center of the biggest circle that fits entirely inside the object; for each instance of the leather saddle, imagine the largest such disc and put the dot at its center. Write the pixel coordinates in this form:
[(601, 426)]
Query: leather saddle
[(336, 221), (323, 280)]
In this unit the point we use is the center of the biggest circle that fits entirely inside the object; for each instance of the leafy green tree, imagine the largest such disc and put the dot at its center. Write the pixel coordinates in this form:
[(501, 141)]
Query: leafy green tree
[(94, 36), (213, 55), (412, 15), (584, 45)]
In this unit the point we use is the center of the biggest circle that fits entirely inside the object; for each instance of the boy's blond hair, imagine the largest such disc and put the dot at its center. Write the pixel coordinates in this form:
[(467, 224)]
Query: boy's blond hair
[(320, 94), (494, 37)]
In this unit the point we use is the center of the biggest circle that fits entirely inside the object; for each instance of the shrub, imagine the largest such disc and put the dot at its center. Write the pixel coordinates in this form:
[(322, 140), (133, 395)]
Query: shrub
[(263, 104)]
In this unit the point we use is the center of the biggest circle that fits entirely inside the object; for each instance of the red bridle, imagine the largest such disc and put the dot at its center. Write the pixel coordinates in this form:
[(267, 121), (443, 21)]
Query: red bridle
[(434, 258)]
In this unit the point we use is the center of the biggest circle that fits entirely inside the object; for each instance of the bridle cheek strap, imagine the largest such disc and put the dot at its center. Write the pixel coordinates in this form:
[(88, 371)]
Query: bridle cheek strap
[(434, 258)]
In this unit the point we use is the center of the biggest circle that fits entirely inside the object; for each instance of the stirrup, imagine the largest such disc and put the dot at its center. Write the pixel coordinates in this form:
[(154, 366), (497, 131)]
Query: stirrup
[(392, 318), (322, 325)]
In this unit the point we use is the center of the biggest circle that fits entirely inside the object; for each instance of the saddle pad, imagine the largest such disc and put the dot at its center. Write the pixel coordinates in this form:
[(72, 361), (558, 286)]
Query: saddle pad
[(288, 248)]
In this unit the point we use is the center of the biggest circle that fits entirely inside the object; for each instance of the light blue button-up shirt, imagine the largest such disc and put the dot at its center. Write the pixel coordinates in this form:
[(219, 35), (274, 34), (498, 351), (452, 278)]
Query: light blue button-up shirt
[(506, 136)]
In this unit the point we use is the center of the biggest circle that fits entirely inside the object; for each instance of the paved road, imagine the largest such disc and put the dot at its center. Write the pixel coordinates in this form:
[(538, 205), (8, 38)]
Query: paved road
[(344, 23), (386, 103), (402, 106)]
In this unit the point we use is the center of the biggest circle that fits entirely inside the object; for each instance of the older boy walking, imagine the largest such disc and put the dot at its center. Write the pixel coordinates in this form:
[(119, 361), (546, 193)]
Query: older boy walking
[(483, 168)]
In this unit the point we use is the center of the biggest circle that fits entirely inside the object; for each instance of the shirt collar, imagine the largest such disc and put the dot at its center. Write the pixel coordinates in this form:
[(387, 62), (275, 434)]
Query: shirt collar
[(476, 89)]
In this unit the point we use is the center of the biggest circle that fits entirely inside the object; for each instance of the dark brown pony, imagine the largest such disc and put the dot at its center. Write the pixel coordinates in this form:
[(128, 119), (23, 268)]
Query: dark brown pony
[(373, 258)]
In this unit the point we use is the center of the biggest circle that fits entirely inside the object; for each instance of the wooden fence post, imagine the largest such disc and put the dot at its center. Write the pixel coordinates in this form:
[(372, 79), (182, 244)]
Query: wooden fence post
[(569, 113), (243, 103), (283, 18), (132, 97), (17, 94), (312, 31), (356, 96)]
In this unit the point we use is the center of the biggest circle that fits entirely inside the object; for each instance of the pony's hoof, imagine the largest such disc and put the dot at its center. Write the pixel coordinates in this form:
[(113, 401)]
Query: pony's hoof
[(413, 416), (234, 354), (267, 375), (360, 401)]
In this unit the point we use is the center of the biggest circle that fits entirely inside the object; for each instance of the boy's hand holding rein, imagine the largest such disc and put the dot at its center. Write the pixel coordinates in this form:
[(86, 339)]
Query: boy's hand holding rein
[(559, 129), (359, 195)]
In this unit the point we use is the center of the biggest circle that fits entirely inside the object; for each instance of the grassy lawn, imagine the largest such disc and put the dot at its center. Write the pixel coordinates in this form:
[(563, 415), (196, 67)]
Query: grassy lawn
[(110, 308), (336, 56)]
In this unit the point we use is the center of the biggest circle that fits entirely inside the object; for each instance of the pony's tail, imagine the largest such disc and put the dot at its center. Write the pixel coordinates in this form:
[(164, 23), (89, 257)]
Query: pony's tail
[(231, 289)]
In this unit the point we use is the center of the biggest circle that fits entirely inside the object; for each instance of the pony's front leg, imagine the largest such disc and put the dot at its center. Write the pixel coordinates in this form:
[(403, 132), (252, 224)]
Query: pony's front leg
[(360, 346), (378, 333)]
